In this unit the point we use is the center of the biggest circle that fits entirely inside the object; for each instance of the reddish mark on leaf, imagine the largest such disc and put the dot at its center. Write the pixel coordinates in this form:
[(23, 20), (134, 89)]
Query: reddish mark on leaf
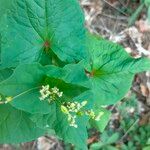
[(47, 44), (90, 74)]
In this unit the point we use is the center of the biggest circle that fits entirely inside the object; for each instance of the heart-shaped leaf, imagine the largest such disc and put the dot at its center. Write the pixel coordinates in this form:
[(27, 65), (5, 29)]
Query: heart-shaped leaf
[(111, 70), (37, 28)]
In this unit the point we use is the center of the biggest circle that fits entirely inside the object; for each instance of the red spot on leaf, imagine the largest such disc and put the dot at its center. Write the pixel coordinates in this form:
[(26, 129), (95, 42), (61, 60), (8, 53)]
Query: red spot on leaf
[(47, 44), (89, 74)]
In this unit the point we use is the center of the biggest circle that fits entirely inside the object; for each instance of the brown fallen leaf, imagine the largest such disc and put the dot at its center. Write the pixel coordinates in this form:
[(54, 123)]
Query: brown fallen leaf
[(143, 25), (144, 90), (93, 139)]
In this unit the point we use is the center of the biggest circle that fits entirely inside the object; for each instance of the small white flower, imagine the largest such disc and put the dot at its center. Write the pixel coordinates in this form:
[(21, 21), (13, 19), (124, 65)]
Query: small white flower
[(78, 106), (98, 117), (91, 114), (83, 103), (46, 87), (44, 92), (50, 99), (60, 94), (8, 99), (72, 105), (47, 126), (41, 98), (74, 125), (72, 121), (47, 93), (55, 90)]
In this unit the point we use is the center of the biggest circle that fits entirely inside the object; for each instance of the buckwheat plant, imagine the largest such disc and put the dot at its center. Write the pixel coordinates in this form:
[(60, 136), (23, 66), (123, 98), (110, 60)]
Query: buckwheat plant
[(55, 75)]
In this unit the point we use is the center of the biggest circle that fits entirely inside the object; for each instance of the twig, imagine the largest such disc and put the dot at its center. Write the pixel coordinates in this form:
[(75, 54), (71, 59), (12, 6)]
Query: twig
[(129, 129), (142, 50), (115, 8), (112, 17), (124, 5)]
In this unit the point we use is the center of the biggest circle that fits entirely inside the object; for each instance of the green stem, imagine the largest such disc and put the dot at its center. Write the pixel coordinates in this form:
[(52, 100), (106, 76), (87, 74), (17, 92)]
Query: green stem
[(25, 92)]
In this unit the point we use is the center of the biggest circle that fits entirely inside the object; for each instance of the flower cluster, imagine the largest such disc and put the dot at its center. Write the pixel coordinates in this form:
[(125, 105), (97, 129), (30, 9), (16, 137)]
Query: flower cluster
[(72, 109), (6, 99), (50, 94), (93, 116)]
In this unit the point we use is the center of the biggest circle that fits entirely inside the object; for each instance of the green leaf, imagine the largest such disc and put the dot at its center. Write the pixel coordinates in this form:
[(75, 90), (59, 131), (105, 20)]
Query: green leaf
[(146, 148), (148, 141), (113, 138), (75, 73), (102, 123), (25, 83), (111, 70), (96, 146), (5, 73), (147, 3), (45, 121), (16, 127), (135, 15), (71, 73), (109, 147), (4, 7), (37, 27)]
